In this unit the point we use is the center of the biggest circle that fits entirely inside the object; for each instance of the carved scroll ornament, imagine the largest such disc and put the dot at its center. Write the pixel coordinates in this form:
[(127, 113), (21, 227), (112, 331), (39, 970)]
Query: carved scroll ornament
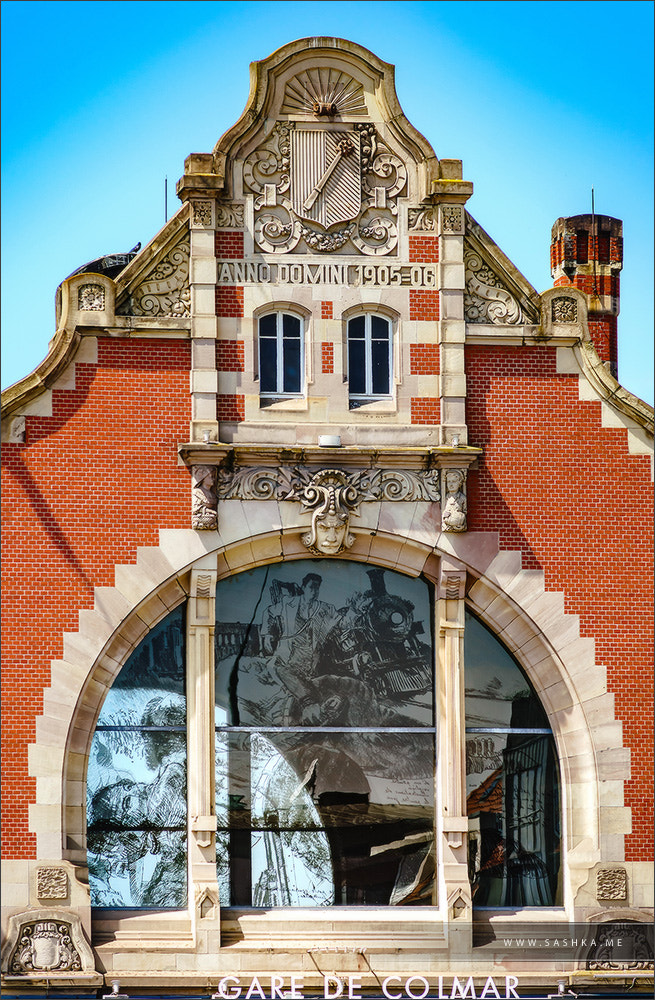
[(485, 300), (166, 291)]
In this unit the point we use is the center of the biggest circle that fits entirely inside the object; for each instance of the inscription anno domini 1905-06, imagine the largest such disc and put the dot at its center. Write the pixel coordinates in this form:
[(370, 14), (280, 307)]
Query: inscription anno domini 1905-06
[(329, 273)]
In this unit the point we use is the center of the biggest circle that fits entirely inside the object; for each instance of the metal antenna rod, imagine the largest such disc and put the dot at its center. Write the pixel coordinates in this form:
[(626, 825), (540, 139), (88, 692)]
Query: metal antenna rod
[(165, 199)]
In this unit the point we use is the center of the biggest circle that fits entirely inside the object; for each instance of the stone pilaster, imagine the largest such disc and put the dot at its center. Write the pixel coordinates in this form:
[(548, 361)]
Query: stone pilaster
[(451, 749), (202, 279), (453, 327), (201, 617)]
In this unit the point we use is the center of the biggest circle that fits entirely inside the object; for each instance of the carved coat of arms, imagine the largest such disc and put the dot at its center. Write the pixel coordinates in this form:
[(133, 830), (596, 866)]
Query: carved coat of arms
[(326, 184)]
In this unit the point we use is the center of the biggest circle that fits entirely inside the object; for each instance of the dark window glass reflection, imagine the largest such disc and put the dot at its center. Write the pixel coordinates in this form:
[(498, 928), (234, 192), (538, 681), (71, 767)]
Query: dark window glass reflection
[(308, 817), (136, 780), (512, 779), (322, 820)]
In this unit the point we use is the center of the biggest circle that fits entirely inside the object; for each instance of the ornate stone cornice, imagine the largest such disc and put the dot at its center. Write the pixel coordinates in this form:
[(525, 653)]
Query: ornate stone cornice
[(315, 457)]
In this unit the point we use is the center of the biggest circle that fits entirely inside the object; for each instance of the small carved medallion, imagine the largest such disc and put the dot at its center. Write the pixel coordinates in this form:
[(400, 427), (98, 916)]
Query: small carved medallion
[(202, 213), (452, 218), (91, 298), (565, 310), (612, 883), (51, 883), (45, 946)]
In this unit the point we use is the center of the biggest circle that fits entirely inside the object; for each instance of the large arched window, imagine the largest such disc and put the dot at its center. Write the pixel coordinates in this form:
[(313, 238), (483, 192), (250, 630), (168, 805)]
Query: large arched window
[(512, 780), (324, 753)]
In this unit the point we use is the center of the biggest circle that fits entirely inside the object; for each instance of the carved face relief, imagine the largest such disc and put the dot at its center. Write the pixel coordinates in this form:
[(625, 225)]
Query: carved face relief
[(331, 530)]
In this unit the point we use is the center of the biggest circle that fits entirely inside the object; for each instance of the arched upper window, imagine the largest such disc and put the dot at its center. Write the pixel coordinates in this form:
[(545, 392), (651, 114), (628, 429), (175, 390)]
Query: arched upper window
[(512, 780), (369, 357), (281, 354)]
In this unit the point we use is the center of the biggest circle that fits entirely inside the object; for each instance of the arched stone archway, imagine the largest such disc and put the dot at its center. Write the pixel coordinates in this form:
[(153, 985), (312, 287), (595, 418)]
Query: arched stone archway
[(511, 601)]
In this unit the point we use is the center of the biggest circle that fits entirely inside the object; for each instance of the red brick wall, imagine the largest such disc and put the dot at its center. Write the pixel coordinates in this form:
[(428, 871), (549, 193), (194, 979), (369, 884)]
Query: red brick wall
[(425, 410), (565, 491), (326, 310), (424, 359), (230, 356), (91, 483), (423, 304), (327, 358), (229, 301), (229, 245)]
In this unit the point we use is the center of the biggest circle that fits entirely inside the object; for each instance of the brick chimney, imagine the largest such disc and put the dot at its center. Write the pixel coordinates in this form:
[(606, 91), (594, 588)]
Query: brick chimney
[(586, 251)]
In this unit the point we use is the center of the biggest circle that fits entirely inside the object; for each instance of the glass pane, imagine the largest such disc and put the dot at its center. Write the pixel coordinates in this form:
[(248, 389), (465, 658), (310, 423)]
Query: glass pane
[(513, 808), (155, 670), (290, 326), (268, 366), (323, 643), (136, 817), (379, 328), (357, 367), (328, 819), (356, 328), (497, 692), (268, 325), (291, 356), (380, 361)]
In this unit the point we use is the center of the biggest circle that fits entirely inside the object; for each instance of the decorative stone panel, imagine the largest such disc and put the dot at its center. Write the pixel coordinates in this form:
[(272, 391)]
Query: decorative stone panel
[(91, 298), (565, 309), (612, 883), (51, 883)]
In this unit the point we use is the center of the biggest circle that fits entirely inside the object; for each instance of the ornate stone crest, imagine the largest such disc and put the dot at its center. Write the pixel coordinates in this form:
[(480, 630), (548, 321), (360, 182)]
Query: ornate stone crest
[(485, 299), (325, 190), (45, 946), (165, 291)]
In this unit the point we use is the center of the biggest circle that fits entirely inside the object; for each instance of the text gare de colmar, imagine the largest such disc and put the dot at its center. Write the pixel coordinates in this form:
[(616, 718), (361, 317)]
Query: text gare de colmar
[(349, 986), (257, 272)]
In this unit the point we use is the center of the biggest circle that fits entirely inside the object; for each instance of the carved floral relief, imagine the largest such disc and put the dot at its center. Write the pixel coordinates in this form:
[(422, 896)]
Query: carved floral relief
[(485, 299), (165, 291)]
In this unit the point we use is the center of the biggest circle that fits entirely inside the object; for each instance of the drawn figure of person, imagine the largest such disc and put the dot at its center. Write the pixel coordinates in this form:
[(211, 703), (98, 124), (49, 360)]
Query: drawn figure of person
[(132, 819), (454, 511), (294, 628)]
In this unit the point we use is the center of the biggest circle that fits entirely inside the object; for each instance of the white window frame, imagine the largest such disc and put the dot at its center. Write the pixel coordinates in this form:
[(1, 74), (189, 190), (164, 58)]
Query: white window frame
[(368, 316), (279, 392)]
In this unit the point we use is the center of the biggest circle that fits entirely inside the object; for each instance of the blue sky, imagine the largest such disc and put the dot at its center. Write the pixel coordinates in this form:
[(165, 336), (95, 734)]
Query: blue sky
[(102, 100)]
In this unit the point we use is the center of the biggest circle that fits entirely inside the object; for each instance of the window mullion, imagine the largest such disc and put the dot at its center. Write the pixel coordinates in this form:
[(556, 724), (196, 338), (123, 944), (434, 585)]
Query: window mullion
[(279, 339), (368, 354)]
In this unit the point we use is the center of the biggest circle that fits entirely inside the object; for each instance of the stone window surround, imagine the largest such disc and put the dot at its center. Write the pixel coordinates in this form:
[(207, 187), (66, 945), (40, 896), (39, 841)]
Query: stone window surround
[(511, 601), (396, 376)]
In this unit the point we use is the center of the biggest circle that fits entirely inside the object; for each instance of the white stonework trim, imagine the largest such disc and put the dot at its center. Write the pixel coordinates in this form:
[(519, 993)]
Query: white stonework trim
[(512, 601)]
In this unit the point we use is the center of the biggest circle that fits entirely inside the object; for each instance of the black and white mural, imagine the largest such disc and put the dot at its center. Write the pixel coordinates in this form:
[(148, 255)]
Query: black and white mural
[(136, 780), (325, 747)]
